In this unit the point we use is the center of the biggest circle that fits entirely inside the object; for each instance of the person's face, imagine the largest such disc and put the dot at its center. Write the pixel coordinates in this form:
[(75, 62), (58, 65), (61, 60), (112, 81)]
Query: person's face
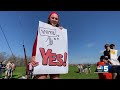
[(54, 19), (113, 47), (105, 60), (108, 48)]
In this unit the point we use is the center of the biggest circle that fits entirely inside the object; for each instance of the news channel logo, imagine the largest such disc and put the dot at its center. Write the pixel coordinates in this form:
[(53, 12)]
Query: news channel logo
[(105, 68)]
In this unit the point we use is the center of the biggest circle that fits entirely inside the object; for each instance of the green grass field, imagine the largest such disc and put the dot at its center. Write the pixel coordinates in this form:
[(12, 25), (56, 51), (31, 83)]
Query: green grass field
[(20, 71), (73, 75)]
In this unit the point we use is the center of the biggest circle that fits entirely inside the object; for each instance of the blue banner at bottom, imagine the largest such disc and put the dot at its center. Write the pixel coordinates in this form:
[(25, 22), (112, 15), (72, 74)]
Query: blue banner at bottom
[(108, 68)]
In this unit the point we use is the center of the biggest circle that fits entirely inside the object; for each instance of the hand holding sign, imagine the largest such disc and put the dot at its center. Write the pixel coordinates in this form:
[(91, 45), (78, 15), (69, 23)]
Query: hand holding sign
[(60, 28), (33, 61)]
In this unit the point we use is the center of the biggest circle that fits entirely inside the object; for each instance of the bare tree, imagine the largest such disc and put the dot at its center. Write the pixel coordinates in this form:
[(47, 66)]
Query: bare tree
[(3, 56)]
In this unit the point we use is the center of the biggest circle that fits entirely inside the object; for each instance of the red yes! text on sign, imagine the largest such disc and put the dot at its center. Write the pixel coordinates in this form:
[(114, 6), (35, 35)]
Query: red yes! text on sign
[(48, 58)]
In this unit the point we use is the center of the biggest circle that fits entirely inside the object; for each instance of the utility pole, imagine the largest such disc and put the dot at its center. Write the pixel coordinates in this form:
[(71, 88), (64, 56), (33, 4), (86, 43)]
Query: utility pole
[(25, 61)]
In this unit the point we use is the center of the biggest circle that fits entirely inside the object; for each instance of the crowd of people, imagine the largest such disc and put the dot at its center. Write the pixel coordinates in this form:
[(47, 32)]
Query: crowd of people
[(6, 70), (106, 59), (84, 68)]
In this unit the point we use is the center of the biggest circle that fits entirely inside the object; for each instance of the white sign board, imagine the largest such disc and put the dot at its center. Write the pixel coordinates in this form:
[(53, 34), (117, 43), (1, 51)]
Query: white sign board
[(113, 57), (52, 50)]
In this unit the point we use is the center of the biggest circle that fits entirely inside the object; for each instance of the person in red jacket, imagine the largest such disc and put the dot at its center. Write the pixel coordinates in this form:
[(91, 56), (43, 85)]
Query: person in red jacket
[(103, 62), (53, 19)]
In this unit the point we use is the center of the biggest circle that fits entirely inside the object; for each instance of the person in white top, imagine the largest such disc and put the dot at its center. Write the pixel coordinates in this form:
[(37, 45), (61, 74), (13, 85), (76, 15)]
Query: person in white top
[(8, 69), (113, 58), (80, 68)]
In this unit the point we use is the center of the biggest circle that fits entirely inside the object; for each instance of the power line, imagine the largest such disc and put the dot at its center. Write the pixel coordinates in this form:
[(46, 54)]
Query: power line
[(6, 40), (25, 57), (20, 26)]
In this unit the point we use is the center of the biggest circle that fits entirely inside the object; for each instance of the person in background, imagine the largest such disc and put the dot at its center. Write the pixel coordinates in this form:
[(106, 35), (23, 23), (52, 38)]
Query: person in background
[(8, 70), (103, 62), (13, 68), (112, 47), (1, 69), (119, 59), (85, 69), (107, 51), (118, 73), (30, 70), (80, 68), (89, 68)]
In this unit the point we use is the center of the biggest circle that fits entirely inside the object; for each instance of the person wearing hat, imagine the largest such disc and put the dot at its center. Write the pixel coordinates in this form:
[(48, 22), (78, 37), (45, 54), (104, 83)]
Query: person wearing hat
[(53, 19), (103, 62)]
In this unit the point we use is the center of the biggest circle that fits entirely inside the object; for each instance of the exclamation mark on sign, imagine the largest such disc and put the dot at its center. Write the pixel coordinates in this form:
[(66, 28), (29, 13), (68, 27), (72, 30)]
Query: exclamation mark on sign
[(65, 59)]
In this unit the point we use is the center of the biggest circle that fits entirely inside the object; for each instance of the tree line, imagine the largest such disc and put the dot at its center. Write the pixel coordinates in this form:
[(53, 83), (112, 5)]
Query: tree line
[(18, 60)]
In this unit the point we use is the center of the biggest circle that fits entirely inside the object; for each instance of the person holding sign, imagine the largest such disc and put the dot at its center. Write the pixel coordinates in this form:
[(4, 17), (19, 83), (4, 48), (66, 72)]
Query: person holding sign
[(113, 54), (53, 20), (114, 58)]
